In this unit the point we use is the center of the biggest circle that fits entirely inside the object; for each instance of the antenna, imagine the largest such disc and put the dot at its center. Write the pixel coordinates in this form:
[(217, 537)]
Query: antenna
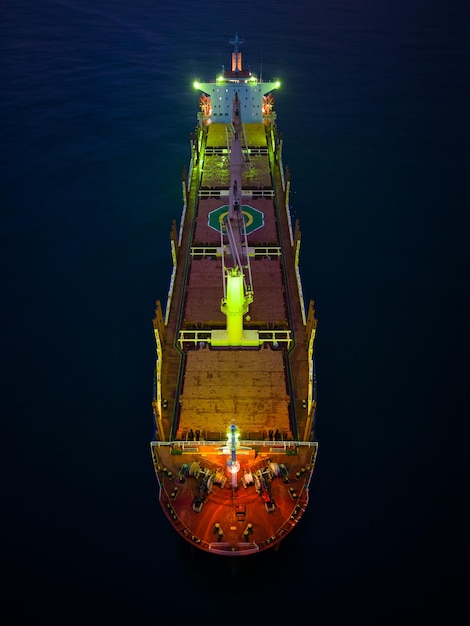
[(236, 42), (236, 54)]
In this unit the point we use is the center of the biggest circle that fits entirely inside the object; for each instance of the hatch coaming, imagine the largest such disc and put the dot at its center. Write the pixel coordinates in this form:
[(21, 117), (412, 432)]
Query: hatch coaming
[(219, 387)]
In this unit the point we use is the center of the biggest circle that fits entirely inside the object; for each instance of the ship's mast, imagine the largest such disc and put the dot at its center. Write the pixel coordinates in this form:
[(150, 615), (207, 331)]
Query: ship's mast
[(236, 54)]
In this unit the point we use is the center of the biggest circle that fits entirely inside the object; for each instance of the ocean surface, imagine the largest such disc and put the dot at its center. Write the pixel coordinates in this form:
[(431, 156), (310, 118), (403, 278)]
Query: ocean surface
[(96, 109)]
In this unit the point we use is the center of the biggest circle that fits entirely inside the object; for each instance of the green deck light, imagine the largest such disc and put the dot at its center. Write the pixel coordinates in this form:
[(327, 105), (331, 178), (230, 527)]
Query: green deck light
[(278, 84), (196, 84)]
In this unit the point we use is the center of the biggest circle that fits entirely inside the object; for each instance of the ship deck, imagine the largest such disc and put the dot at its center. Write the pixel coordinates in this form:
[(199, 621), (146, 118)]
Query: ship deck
[(262, 388), (218, 388), (197, 294), (234, 521)]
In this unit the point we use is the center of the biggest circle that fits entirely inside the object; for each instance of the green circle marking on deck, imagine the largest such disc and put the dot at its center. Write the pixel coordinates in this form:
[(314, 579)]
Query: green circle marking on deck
[(254, 219)]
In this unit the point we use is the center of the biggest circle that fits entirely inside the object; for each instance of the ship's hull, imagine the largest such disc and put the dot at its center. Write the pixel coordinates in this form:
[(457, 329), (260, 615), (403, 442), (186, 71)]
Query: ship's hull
[(234, 448)]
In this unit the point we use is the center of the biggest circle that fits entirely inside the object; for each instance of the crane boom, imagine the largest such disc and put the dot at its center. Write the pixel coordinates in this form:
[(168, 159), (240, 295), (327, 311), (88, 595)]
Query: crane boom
[(238, 291)]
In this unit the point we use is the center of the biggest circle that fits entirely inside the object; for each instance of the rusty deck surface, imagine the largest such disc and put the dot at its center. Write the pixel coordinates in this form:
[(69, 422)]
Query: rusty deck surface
[(250, 389), (234, 522)]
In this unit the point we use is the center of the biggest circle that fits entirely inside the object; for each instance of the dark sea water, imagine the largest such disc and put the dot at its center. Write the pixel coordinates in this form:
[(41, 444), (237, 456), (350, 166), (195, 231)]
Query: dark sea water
[(96, 108)]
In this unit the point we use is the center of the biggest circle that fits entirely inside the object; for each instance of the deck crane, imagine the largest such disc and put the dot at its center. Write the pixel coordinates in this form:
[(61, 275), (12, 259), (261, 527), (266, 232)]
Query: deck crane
[(238, 287)]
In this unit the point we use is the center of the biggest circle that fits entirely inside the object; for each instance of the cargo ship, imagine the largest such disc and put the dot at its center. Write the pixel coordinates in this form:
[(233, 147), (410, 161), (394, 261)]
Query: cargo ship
[(235, 392)]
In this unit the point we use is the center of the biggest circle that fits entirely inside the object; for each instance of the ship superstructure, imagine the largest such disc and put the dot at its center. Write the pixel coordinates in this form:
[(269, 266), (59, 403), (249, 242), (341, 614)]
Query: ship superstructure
[(235, 386)]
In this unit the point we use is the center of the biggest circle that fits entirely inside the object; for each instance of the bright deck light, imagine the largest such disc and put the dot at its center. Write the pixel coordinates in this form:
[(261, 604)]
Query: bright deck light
[(196, 84), (233, 467)]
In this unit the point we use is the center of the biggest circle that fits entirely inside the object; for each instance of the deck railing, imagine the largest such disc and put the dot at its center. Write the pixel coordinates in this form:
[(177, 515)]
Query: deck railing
[(202, 337), (256, 251), (193, 446)]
